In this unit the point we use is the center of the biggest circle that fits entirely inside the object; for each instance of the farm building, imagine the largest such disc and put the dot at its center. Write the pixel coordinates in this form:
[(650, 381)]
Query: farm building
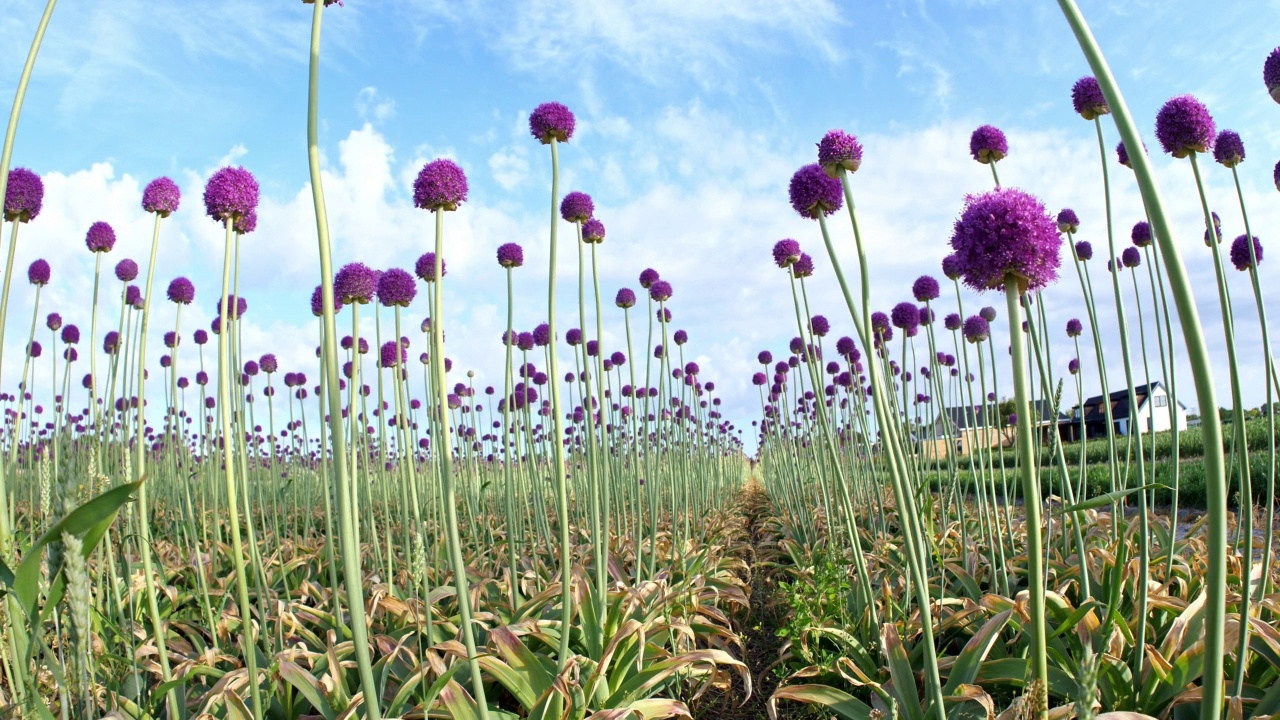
[(962, 428), (1150, 415)]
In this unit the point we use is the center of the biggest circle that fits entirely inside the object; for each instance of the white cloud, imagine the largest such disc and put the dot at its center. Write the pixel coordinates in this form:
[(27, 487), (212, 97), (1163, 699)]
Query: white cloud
[(373, 106)]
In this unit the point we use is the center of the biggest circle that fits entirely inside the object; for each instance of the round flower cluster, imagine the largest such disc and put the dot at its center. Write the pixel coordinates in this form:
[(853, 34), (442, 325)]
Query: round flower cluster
[(100, 238), (838, 149), (230, 193), (988, 144), (1074, 328), (23, 196), (396, 288), (1141, 234), (1068, 221), (161, 196), (510, 255), (1240, 253), (355, 283), (38, 273), (1006, 232), (1228, 148), (551, 121), (440, 185), (577, 207), (925, 288), (814, 193), (626, 298), (1184, 126), (1087, 98)]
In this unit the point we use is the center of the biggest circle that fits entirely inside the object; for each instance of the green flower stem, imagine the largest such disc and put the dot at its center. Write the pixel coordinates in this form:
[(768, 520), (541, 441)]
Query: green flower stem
[(508, 472), (603, 467), (1215, 580), (350, 552), (1031, 494), (595, 466), (1271, 379), (558, 466), (233, 512)]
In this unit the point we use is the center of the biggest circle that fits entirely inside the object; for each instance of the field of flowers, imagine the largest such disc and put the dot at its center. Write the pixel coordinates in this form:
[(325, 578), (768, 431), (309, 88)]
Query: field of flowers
[(591, 539)]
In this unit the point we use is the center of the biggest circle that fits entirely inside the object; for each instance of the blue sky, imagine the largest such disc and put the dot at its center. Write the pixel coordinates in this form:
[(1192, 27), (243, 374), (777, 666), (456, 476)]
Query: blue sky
[(692, 116)]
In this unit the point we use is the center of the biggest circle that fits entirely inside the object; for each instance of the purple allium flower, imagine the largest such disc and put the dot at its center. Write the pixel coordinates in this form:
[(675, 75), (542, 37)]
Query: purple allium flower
[(53, 322), (577, 207), (691, 368), (1240, 253), (34, 350), (951, 267), (132, 295), (648, 277), (1006, 232), (925, 288), (171, 339), (1073, 366), (355, 283), (317, 301), (251, 368), (625, 298), (819, 326), (926, 315), (593, 231), (1068, 221), (1184, 126), (1228, 148), (440, 185), (181, 291), (542, 335), (1271, 74), (906, 317), (660, 291), (268, 363), (230, 194), (100, 238), (988, 313), (388, 355), (246, 223), (111, 342), (200, 336), (510, 255), (126, 270), (987, 144), (680, 338), (803, 267), (815, 193), (1074, 328), (38, 272), (838, 149), (525, 341), (786, 252), (23, 196), (1131, 257), (976, 329), (663, 315), (396, 288), (593, 348), (880, 324), (759, 379), (573, 337), (215, 326), (952, 321), (1084, 250), (551, 121), (1217, 229), (845, 346), (1141, 234), (426, 267), (1087, 98), (618, 358), (161, 197), (765, 357)]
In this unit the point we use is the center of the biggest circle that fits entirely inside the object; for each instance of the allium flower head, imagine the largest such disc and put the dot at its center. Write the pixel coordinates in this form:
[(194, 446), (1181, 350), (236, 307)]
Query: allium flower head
[(126, 270), (680, 338), (839, 149), (1074, 328), (317, 301), (765, 357), (133, 296), (1073, 366), (879, 323), (1087, 98), (626, 298), (1068, 221), (111, 342), (440, 185), (1084, 250), (230, 193), (906, 317), (246, 223), (951, 267), (648, 277), (181, 291), (577, 207), (952, 321), (926, 315), (660, 291), (1271, 74), (925, 288), (23, 196), (988, 144), (1184, 126), (53, 322), (1228, 148), (161, 197), (100, 238), (803, 267), (70, 334), (592, 231), (425, 268), (819, 326), (976, 329), (1217, 229), (396, 288), (1131, 257), (201, 336), (988, 313), (573, 337), (551, 121), (510, 255), (1006, 232), (1240, 253), (814, 192), (1141, 233), (786, 252), (542, 335), (38, 272), (355, 283), (845, 346)]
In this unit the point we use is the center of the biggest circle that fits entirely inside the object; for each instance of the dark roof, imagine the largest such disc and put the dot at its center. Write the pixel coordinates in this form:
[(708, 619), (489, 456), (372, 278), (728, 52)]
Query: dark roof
[(1095, 411), (965, 417)]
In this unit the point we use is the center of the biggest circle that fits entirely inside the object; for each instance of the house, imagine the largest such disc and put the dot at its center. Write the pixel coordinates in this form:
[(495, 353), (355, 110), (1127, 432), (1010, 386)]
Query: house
[(962, 428), (1151, 413)]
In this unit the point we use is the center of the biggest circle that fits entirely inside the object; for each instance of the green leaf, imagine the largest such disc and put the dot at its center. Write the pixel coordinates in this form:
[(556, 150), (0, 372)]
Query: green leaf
[(308, 686), (904, 677), (965, 669), (1105, 500), (838, 701)]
